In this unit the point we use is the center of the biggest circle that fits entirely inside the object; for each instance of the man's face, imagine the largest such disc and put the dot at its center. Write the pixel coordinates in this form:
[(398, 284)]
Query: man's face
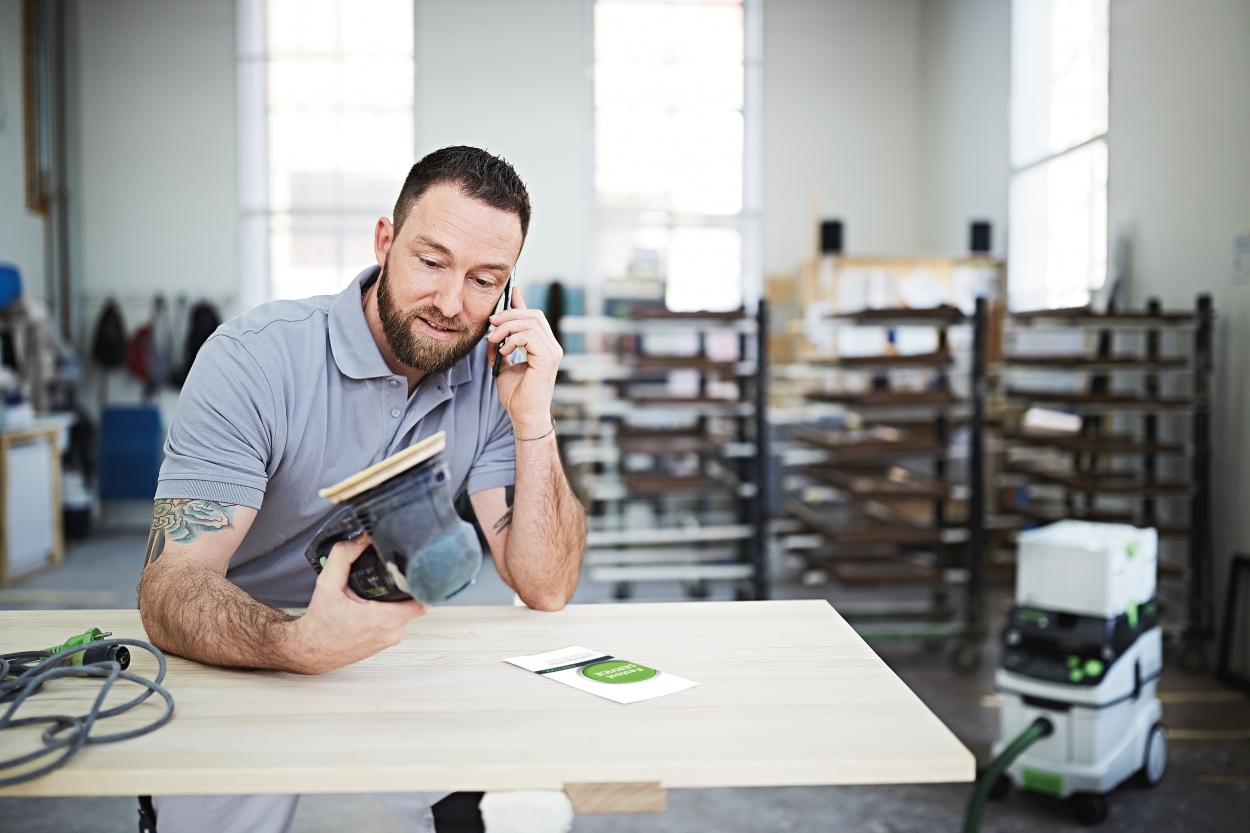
[(442, 276)]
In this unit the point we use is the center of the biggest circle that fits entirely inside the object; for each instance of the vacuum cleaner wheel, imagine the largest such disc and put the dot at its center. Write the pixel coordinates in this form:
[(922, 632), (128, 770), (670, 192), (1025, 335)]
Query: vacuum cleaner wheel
[(1089, 808), (1156, 758)]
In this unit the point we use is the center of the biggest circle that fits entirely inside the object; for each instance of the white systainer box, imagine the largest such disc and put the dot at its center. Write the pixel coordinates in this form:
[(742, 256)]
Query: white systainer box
[(1086, 568)]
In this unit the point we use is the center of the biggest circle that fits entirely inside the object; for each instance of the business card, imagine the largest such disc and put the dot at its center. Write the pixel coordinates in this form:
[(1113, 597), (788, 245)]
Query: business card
[(603, 674)]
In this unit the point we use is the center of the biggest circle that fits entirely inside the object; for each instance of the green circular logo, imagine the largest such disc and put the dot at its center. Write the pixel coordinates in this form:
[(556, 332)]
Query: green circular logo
[(618, 671)]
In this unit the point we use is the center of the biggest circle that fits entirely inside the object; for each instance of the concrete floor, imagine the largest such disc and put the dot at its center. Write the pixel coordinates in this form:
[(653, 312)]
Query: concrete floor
[(1207, 787)]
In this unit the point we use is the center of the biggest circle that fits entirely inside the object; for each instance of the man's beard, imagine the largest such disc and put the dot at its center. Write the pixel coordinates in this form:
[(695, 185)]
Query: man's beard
[(416, 349)]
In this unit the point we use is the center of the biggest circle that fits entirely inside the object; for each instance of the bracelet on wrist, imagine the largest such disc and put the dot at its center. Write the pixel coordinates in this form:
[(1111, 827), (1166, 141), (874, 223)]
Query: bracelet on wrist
[(532, 439)]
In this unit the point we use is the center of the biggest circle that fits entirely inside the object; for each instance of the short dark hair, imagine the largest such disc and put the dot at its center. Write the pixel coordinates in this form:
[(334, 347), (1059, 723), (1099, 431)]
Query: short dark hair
[(479, 175)]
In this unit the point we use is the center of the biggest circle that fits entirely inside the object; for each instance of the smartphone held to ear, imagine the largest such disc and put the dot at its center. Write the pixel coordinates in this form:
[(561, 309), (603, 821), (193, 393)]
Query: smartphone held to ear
[(505, 303)]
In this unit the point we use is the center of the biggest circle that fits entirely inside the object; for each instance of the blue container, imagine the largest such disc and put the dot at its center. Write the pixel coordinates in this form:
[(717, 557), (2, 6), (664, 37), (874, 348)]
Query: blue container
[(130, 452), (10, 284)]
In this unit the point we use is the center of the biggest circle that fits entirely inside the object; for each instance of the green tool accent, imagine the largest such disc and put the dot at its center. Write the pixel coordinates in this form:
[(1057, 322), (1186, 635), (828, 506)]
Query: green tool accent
[(1042, 782), (1131, 611), (1093, 667), (83, 639), (1133, 547), (324, 559), (1076, 675), (1074, 661)]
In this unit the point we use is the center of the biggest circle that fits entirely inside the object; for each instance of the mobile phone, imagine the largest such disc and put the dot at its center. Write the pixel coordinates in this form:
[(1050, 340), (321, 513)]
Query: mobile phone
[(505, 303)]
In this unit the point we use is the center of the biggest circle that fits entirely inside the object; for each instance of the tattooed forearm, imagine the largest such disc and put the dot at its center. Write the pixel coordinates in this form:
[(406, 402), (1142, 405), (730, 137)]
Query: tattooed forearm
[(505, 520), (182, 520)]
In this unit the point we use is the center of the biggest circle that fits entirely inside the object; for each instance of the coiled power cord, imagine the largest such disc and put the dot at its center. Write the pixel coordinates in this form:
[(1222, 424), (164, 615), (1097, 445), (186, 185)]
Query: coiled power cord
[(25, 672)]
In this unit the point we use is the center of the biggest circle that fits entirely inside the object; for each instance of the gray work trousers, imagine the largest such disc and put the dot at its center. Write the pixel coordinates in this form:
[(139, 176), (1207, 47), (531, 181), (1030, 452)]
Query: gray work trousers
[(271, 813)]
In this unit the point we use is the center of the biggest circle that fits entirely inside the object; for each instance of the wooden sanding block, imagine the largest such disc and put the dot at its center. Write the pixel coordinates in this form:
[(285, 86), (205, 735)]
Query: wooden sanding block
[(379, 473)]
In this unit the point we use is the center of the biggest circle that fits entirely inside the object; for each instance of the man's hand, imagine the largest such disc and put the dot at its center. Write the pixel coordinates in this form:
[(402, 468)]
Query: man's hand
[(339, 627), (525, 389)]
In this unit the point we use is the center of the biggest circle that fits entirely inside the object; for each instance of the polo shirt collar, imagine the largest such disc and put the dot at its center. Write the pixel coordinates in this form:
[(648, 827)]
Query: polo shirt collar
[(352, 344)]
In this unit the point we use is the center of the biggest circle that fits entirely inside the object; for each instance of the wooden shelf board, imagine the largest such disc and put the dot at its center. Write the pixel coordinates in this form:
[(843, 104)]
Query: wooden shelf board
[(644, 363), (873, 484), (1086, 317), (681, 444), (867, 448), (881, 571), (888, 399), (656, 313), (938, 359), (1090, 363), (864, 534), (1110, 484), (1100, 445), (1111, 401), (653, 484), (903, 316)]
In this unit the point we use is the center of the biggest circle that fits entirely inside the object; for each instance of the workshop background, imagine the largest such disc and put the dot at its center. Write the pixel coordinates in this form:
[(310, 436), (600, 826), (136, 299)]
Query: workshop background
[(852, 293)]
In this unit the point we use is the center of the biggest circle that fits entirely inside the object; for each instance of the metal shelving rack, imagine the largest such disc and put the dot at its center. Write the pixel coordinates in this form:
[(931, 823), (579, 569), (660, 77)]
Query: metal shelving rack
[(864, 538), (1144, 424), (702, 472)]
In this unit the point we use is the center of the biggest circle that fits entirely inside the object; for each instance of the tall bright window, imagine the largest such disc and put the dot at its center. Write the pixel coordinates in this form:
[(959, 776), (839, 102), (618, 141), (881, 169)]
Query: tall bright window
[(334, 90), (670, 98), (1057, 253)]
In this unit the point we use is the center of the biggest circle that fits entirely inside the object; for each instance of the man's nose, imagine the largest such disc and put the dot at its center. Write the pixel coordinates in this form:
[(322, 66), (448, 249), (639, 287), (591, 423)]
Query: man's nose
[(449, 296)]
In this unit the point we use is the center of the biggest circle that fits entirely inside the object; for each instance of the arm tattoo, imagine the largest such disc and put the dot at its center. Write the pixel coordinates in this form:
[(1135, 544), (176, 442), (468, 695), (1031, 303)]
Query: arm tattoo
[(505, 521), (182, 520)]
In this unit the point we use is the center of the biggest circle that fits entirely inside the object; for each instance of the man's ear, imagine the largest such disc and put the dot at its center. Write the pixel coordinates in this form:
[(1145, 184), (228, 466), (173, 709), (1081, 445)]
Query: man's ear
[(383, 237)]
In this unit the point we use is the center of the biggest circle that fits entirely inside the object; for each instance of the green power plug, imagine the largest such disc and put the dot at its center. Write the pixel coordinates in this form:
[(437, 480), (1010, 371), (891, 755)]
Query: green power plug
[(92, 653)]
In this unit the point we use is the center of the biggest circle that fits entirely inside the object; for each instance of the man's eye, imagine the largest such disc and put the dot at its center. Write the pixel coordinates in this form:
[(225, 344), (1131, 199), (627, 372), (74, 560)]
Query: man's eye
[(433, 264)]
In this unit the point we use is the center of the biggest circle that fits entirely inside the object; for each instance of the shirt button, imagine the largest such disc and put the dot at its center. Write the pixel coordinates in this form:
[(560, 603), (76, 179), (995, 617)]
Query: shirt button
[(394, 383), (395, 412)]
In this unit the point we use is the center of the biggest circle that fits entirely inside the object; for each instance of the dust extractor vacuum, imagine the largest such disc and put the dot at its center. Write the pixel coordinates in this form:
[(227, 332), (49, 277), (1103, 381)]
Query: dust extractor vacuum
[(1082, 653)]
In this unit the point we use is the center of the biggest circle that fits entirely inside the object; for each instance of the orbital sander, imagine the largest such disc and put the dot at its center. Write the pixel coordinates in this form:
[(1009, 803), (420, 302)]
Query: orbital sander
[(420, 548)]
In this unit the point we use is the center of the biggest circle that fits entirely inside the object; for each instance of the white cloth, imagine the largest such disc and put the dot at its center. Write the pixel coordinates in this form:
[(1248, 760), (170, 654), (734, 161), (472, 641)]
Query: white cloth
[(272, 813)]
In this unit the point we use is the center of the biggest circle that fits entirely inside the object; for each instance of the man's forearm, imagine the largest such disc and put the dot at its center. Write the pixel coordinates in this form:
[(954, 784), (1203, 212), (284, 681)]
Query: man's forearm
[(188, 606), (548, 528), (192, 611)]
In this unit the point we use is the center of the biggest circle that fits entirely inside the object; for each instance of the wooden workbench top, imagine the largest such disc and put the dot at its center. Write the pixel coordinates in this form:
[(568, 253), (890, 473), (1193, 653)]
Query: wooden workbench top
[(788, 694)]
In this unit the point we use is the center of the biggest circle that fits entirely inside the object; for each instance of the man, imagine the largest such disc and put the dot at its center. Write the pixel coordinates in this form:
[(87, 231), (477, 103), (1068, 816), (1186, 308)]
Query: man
[(297, 395)]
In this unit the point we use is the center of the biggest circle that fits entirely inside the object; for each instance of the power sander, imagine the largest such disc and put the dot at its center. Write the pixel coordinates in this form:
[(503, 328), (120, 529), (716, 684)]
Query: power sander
[(420, 548)]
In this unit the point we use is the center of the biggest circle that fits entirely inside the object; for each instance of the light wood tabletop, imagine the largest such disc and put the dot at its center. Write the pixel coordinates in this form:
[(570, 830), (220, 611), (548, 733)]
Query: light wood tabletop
[(788, 694)]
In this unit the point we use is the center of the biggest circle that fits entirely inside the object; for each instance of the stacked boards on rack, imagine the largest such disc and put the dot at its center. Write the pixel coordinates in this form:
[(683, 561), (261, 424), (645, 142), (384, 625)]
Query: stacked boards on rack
[(1107, 418), (882, 490), (663, 436)]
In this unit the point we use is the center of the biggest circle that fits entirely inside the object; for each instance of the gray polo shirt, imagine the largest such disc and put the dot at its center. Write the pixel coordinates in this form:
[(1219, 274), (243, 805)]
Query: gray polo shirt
[(295, 396)]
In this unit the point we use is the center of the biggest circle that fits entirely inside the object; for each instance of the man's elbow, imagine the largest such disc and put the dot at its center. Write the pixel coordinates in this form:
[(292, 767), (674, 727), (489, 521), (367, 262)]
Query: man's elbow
[(151, 611), (550, 599), (547, 602)]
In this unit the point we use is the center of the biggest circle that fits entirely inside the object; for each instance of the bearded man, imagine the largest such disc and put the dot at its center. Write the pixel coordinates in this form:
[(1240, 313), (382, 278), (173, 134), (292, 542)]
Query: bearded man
[(296, 395)]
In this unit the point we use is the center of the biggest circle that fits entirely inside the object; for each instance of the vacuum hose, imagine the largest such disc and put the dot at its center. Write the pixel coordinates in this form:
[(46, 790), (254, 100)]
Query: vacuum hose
[(1037, 730)]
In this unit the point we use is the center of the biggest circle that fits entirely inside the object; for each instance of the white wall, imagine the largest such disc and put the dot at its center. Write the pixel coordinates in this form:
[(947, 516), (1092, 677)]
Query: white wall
[(156, 197), (964, 154), (1180, 183), (21, 233), (511, 78), (841, 125)]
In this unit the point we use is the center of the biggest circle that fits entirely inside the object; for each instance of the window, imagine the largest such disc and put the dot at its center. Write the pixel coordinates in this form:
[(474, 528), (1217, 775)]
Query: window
[(675, 206), (1059, 113), (326, 124)]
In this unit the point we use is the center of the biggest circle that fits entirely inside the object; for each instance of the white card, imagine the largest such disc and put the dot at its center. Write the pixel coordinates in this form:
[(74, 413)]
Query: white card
[(599, 673)]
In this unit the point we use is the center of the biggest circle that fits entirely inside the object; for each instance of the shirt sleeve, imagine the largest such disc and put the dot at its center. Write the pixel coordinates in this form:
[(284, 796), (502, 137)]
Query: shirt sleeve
[(220, 445), (495, 465)]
